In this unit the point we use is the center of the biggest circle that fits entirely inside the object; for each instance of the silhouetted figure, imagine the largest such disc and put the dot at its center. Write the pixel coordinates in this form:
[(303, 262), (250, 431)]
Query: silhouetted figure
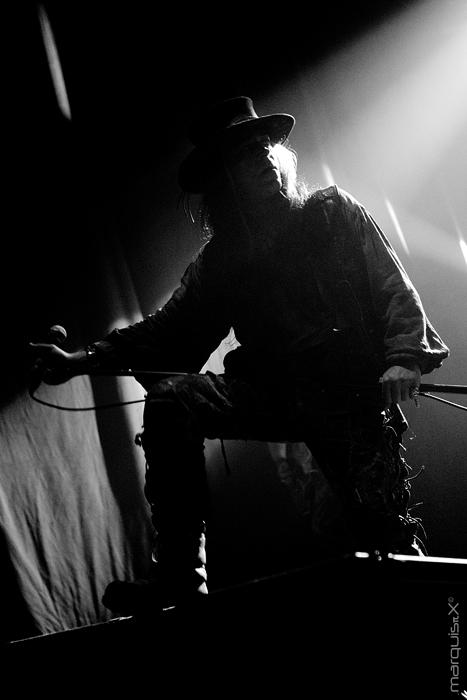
[(332, 336)]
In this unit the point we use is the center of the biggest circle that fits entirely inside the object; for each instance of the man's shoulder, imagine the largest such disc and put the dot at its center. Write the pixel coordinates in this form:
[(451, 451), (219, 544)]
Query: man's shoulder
[(332, 195), (323, 193)]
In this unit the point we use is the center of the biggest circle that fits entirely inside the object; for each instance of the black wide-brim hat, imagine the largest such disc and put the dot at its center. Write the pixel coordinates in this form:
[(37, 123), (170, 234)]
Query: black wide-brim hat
[(230, 120)]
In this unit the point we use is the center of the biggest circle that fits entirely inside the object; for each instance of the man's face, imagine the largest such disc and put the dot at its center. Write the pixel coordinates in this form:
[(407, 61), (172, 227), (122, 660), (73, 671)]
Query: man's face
[(254, 167)]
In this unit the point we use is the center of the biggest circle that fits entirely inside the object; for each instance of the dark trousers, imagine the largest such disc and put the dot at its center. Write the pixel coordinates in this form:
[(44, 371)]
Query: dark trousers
[(355, 443)]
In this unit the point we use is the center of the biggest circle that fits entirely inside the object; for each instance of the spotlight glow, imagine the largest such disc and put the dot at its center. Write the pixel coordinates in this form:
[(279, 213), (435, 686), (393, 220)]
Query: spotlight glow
[(463, 246), (397, 226), (385, 108), (328, 176), (54, 63)]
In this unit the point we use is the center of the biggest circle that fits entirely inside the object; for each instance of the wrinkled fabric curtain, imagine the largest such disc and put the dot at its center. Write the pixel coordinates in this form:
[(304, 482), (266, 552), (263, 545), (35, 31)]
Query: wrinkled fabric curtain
[(65, 521), (72, 511)]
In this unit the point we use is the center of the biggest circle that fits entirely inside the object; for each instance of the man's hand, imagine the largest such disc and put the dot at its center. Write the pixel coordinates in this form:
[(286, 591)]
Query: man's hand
[(399, 383), (54, 365)]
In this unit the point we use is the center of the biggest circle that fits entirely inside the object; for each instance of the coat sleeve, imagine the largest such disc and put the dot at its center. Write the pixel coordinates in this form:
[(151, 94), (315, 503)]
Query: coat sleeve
[(407, 335), (178, 337)]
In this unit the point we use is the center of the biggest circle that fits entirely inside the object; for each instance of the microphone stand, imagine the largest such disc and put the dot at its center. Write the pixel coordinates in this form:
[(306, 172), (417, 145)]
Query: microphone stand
[(441, 388), (423, 390)]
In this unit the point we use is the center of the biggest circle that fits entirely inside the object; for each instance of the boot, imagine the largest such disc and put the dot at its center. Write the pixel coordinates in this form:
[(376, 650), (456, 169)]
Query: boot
[(179, 577)]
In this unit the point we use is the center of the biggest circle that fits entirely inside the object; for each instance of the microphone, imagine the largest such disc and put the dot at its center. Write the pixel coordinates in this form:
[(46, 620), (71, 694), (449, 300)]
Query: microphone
[(56, 335)]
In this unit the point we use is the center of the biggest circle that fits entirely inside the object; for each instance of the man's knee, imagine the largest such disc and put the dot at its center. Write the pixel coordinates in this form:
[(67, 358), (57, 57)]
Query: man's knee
[(165, 403), (170, 413)]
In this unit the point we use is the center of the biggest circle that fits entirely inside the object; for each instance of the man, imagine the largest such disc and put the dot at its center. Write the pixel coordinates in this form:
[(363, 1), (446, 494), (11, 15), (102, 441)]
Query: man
[(332, 336)]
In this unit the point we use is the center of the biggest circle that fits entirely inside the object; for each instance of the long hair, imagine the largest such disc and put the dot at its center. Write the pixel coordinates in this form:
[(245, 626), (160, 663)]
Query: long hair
[(218, 210)]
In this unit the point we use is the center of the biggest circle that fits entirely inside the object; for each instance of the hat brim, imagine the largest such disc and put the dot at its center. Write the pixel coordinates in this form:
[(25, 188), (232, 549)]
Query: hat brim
[(197, 169)]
